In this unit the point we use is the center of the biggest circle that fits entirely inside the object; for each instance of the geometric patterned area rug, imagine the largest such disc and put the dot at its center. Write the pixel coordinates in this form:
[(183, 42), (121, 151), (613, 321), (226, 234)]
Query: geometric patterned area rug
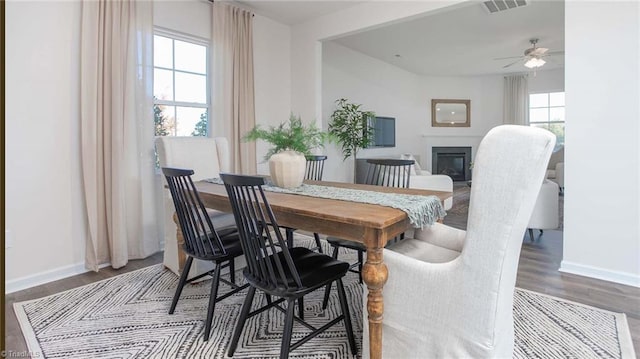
[(550, 327), (127, 317)]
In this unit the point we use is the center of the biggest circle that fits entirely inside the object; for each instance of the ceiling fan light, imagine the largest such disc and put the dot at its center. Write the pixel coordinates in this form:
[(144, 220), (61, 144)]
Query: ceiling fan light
[(534, 62)]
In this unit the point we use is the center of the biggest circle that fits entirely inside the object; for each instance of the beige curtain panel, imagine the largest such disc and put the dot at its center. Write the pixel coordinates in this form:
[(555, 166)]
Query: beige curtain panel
[(232, 83), (516, 100), (117, 131)]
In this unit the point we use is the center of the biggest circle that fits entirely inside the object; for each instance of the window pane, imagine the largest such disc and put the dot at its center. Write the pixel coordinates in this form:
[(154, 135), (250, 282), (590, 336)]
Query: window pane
[(191, 88), (187, 118), (538, 115), (556, 99), (556, 114), (165, 120), (162, 52), (539, 100), (163, 84), (202, 124), (191, 57)]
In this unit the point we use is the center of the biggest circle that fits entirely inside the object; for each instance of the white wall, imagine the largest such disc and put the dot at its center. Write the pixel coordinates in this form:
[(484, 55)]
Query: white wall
[(547, 81), (43, 203), (602, 173), (306, 55), (272, 78), (191, 17), (391, 91)]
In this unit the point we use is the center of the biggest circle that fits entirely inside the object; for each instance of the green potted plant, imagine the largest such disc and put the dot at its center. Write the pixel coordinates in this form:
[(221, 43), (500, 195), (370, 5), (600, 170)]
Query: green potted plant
[(350, 127), (290, 141)]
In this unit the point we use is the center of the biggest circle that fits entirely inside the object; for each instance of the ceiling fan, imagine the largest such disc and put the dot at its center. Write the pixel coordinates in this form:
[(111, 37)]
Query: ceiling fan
[(533, 56)]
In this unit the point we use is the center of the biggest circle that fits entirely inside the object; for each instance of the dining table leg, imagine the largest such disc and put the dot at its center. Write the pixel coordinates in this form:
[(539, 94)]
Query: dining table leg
[(374, 274)]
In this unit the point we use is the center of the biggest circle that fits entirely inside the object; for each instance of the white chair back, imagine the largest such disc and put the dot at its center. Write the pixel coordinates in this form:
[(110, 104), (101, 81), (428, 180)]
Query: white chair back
[(207, 157), (456, 302)]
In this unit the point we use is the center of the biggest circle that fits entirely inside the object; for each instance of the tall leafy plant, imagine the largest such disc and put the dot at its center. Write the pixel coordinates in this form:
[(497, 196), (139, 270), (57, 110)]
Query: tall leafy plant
[(350, 127), (292, 135)]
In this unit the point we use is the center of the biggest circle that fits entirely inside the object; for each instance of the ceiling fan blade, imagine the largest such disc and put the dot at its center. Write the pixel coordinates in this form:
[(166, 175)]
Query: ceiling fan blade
[(538, 51), (551, 53), (511, 64), (510, 57)]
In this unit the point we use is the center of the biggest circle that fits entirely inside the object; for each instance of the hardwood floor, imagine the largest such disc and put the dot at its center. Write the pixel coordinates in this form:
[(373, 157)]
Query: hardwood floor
[(537, 271)]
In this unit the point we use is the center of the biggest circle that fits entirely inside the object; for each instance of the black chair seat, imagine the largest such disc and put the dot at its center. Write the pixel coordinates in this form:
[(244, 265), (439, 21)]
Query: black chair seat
[(231, 244), (315, 270), (334, 241)]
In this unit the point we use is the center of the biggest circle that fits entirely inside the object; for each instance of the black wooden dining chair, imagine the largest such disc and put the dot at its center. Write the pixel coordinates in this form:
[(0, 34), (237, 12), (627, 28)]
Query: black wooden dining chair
[(381, 172), (313, 171), (315, 167), (389, 172), (201, 240), (278, 270)]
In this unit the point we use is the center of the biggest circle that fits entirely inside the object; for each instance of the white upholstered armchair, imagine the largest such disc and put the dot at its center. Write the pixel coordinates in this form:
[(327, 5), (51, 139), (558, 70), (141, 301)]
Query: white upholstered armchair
[(555, 168), (449, 292), (546, 212)]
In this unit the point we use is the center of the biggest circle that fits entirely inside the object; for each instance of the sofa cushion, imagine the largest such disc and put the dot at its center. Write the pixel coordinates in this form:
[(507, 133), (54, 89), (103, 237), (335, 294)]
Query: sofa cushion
[(424, 251), (551, 174), (556, 157), (415, 169)]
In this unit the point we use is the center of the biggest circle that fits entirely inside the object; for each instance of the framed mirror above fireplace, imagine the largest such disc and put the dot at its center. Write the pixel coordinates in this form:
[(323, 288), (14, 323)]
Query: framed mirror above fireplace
[(450, 113)]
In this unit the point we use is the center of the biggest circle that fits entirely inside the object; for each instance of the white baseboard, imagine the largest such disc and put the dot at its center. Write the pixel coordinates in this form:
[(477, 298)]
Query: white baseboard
[(599, 273), (33, 280)]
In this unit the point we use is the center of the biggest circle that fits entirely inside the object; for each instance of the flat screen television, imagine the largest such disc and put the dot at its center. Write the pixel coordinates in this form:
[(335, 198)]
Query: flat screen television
[(384, 132)]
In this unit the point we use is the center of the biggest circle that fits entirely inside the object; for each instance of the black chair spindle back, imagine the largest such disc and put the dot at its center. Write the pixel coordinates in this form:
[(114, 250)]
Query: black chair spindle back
[(200, 237), (315, 167), (260, 235), (389, 172)]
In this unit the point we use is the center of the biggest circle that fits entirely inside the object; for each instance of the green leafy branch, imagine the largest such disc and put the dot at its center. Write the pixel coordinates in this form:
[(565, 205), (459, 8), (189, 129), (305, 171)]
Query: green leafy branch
[(292, 135), (350, 126)]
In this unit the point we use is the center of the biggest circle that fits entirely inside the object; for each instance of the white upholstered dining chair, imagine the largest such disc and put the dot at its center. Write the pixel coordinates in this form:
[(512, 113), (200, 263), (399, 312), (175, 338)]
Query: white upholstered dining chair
[(207, 157), (449, 292)]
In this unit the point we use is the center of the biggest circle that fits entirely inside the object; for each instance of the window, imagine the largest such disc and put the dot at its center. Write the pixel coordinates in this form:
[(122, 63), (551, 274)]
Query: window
[(546, 110), (180, 86)]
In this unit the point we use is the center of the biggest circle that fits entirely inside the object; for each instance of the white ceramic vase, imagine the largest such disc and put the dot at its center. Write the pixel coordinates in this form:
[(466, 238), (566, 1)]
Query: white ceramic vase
[(287, 168)]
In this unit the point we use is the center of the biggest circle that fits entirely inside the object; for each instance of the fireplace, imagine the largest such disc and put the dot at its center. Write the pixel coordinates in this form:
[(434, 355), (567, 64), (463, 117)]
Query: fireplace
[(452, 161)]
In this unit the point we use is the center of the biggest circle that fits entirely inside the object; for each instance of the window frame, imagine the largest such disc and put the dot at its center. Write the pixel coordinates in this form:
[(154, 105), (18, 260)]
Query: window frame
[(548, 122), (548, 107), (177, 35)]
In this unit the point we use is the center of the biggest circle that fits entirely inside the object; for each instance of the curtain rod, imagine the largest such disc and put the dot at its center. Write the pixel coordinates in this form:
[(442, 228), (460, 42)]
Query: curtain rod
[(252, 14)]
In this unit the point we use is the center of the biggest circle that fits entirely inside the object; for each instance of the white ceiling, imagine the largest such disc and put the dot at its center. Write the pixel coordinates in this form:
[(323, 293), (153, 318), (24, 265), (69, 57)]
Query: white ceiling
[(465, 41), (461, 41)]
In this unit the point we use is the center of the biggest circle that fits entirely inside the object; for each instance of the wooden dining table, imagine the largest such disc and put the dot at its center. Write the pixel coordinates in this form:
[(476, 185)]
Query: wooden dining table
[(370, 224)]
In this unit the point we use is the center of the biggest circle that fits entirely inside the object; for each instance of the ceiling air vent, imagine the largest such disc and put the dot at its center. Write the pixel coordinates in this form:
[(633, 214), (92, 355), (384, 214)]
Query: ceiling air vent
[(494, 6)]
